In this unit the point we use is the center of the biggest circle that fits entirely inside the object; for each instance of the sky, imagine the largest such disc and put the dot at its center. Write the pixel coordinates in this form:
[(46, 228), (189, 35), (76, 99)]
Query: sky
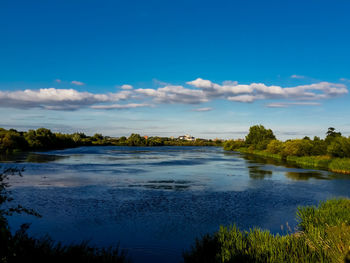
[(210, 69)]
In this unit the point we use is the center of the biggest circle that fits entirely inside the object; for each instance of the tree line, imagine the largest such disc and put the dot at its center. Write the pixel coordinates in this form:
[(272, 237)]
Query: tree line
[(261, 139), (44, 139)]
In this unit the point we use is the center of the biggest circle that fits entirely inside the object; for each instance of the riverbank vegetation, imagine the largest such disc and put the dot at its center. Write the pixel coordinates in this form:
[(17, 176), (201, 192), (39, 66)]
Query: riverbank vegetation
[(44, 139), (322, 235), (19, 247), (331, 153)]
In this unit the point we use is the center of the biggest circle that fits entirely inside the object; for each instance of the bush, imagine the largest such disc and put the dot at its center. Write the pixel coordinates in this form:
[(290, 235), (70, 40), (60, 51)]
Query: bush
[(275, 146), (259, 137), (339, 147), (297, 148), (232, 145)]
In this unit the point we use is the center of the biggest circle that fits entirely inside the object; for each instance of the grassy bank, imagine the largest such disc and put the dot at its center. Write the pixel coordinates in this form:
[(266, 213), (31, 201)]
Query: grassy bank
[(337, 165), (323, 235)]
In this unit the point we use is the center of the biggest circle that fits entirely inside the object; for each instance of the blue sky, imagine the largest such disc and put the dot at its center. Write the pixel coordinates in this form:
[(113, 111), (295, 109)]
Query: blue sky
[(208, 68)]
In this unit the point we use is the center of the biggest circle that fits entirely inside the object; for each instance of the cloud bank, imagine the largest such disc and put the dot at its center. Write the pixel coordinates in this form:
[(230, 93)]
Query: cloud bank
[(197, 91)]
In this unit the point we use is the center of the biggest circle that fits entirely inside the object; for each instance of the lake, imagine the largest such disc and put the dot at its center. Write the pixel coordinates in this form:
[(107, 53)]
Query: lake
[(154, 201)]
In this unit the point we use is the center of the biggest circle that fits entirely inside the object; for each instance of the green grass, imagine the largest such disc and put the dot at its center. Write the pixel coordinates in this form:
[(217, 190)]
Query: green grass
[(337, 165), (340, 165), (260, 153), (320, 162), (323, 235)]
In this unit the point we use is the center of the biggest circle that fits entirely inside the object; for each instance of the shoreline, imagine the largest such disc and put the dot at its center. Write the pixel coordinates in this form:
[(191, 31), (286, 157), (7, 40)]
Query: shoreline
[(336, 165)]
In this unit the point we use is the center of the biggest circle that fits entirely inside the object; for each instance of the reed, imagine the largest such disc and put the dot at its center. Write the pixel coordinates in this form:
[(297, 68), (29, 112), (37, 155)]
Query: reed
[(322, 235)]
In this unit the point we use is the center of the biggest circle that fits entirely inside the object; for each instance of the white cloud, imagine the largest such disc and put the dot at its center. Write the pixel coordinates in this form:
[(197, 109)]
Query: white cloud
[(126, 87), (257, 91), (199, 91), (56, 99), (242, 98), (78, 83), (288, 104), (203, 109), (202, 83), (121, 106), (297, 76), (174, 94)]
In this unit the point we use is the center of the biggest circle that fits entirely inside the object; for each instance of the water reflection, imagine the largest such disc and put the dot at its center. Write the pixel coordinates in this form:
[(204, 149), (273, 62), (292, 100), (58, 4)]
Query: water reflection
[(30, 158), (303, 176), (264, 160), (175, 185), (256, 173)]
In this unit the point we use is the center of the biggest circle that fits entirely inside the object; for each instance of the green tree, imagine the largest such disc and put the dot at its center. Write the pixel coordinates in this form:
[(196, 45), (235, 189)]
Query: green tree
[(259, 137), (231, 145), (331, 135), (12, 140), (41, 139), (275, 146), (297, 147), (136, 140), (319, 147), (339, 147), (97, 137)]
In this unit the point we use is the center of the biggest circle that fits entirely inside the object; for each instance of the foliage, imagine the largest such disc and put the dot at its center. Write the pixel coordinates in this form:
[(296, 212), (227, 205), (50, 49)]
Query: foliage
[(332, 153), (275, 146), (311, 161), (231, 145), (340, 165), (323, 235), (259, 137), (339, 147), (319, 147), (331, 135), (297, 148), (43, 139)]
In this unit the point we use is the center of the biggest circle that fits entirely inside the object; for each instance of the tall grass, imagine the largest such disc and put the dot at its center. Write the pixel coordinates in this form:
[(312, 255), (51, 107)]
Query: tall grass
[(337, 165), (323, 235), (321, 162), (340, 165)]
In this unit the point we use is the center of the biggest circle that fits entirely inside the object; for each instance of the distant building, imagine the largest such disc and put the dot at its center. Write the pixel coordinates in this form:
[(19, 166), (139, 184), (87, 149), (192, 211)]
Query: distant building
[(187, 137), (146, 137)]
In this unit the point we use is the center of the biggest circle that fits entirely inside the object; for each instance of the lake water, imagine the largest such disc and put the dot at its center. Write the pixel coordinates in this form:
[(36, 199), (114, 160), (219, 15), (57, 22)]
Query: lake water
[(155, 201)]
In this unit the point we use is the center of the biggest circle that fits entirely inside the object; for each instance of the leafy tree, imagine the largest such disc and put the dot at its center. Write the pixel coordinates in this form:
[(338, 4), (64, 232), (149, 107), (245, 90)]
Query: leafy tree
[(275, 146), (331, 135), (40, 139), (339, 147), (231, 145), (319, 147), (259, 137), (155, 141), (136, 140), (297, 147), (97, 137), (12, 140)]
